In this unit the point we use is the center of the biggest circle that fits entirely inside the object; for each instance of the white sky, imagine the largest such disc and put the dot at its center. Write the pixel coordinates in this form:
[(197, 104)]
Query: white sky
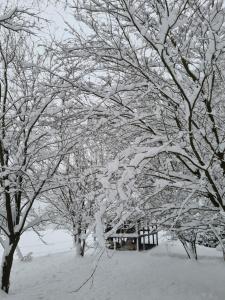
[(52, 10)]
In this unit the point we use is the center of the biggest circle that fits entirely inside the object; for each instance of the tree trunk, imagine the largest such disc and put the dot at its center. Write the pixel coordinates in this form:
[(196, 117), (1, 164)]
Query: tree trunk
[(222, 244), (223, 254), (7, 262), (190, 248), (79, 245), (78, 241), (82, 247)]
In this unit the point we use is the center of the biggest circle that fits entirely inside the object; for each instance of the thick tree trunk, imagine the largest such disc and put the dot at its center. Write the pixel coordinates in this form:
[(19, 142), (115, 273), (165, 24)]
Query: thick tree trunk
[(7, 262), (6, 270)]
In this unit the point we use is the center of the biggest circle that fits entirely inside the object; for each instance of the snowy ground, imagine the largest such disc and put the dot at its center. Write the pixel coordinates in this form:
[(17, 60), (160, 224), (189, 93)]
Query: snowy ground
[(162, 273)]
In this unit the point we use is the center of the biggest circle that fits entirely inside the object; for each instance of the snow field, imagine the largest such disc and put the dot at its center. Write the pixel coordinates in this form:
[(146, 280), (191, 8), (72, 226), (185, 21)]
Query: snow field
[(163, 273)]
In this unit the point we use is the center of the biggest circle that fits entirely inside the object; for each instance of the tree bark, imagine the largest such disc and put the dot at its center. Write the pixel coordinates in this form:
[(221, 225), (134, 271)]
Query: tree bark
[(79, 245), (7, 262), (82, 249), (190, 248)]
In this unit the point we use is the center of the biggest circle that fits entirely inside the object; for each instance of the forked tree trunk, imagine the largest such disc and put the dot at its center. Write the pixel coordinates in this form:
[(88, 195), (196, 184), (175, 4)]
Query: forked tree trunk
[(190, 248), (188, 241), (7, 262)]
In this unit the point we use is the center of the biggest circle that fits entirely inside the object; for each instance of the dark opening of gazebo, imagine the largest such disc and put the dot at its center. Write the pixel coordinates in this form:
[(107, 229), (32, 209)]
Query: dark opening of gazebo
[(129, 236)]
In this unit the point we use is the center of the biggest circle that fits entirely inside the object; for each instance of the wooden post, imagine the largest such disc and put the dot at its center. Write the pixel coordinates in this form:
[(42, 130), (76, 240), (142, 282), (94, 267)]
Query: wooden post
[(143, 238), (157, 239), (137, 238), (137, 246), (114, 242)]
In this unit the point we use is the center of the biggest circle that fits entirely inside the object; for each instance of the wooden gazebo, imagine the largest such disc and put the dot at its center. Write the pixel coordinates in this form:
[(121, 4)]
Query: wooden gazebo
[(139, 236)]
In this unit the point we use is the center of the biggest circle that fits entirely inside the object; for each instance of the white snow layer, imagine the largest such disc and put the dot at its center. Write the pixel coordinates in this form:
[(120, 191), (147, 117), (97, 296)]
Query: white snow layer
[(162, 273)]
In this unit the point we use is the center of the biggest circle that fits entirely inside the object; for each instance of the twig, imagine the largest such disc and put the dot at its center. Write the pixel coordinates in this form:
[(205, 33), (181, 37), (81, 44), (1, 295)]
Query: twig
[(91, 275)]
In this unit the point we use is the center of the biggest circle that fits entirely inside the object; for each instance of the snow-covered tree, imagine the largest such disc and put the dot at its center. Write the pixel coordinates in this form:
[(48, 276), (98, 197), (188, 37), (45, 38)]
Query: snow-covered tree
[(72, 205), (158, 66), (32, 144)]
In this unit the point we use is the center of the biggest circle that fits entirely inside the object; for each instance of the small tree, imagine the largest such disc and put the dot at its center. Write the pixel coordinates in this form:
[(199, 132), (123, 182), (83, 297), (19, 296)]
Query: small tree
[(31, 144), (71, 206)]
